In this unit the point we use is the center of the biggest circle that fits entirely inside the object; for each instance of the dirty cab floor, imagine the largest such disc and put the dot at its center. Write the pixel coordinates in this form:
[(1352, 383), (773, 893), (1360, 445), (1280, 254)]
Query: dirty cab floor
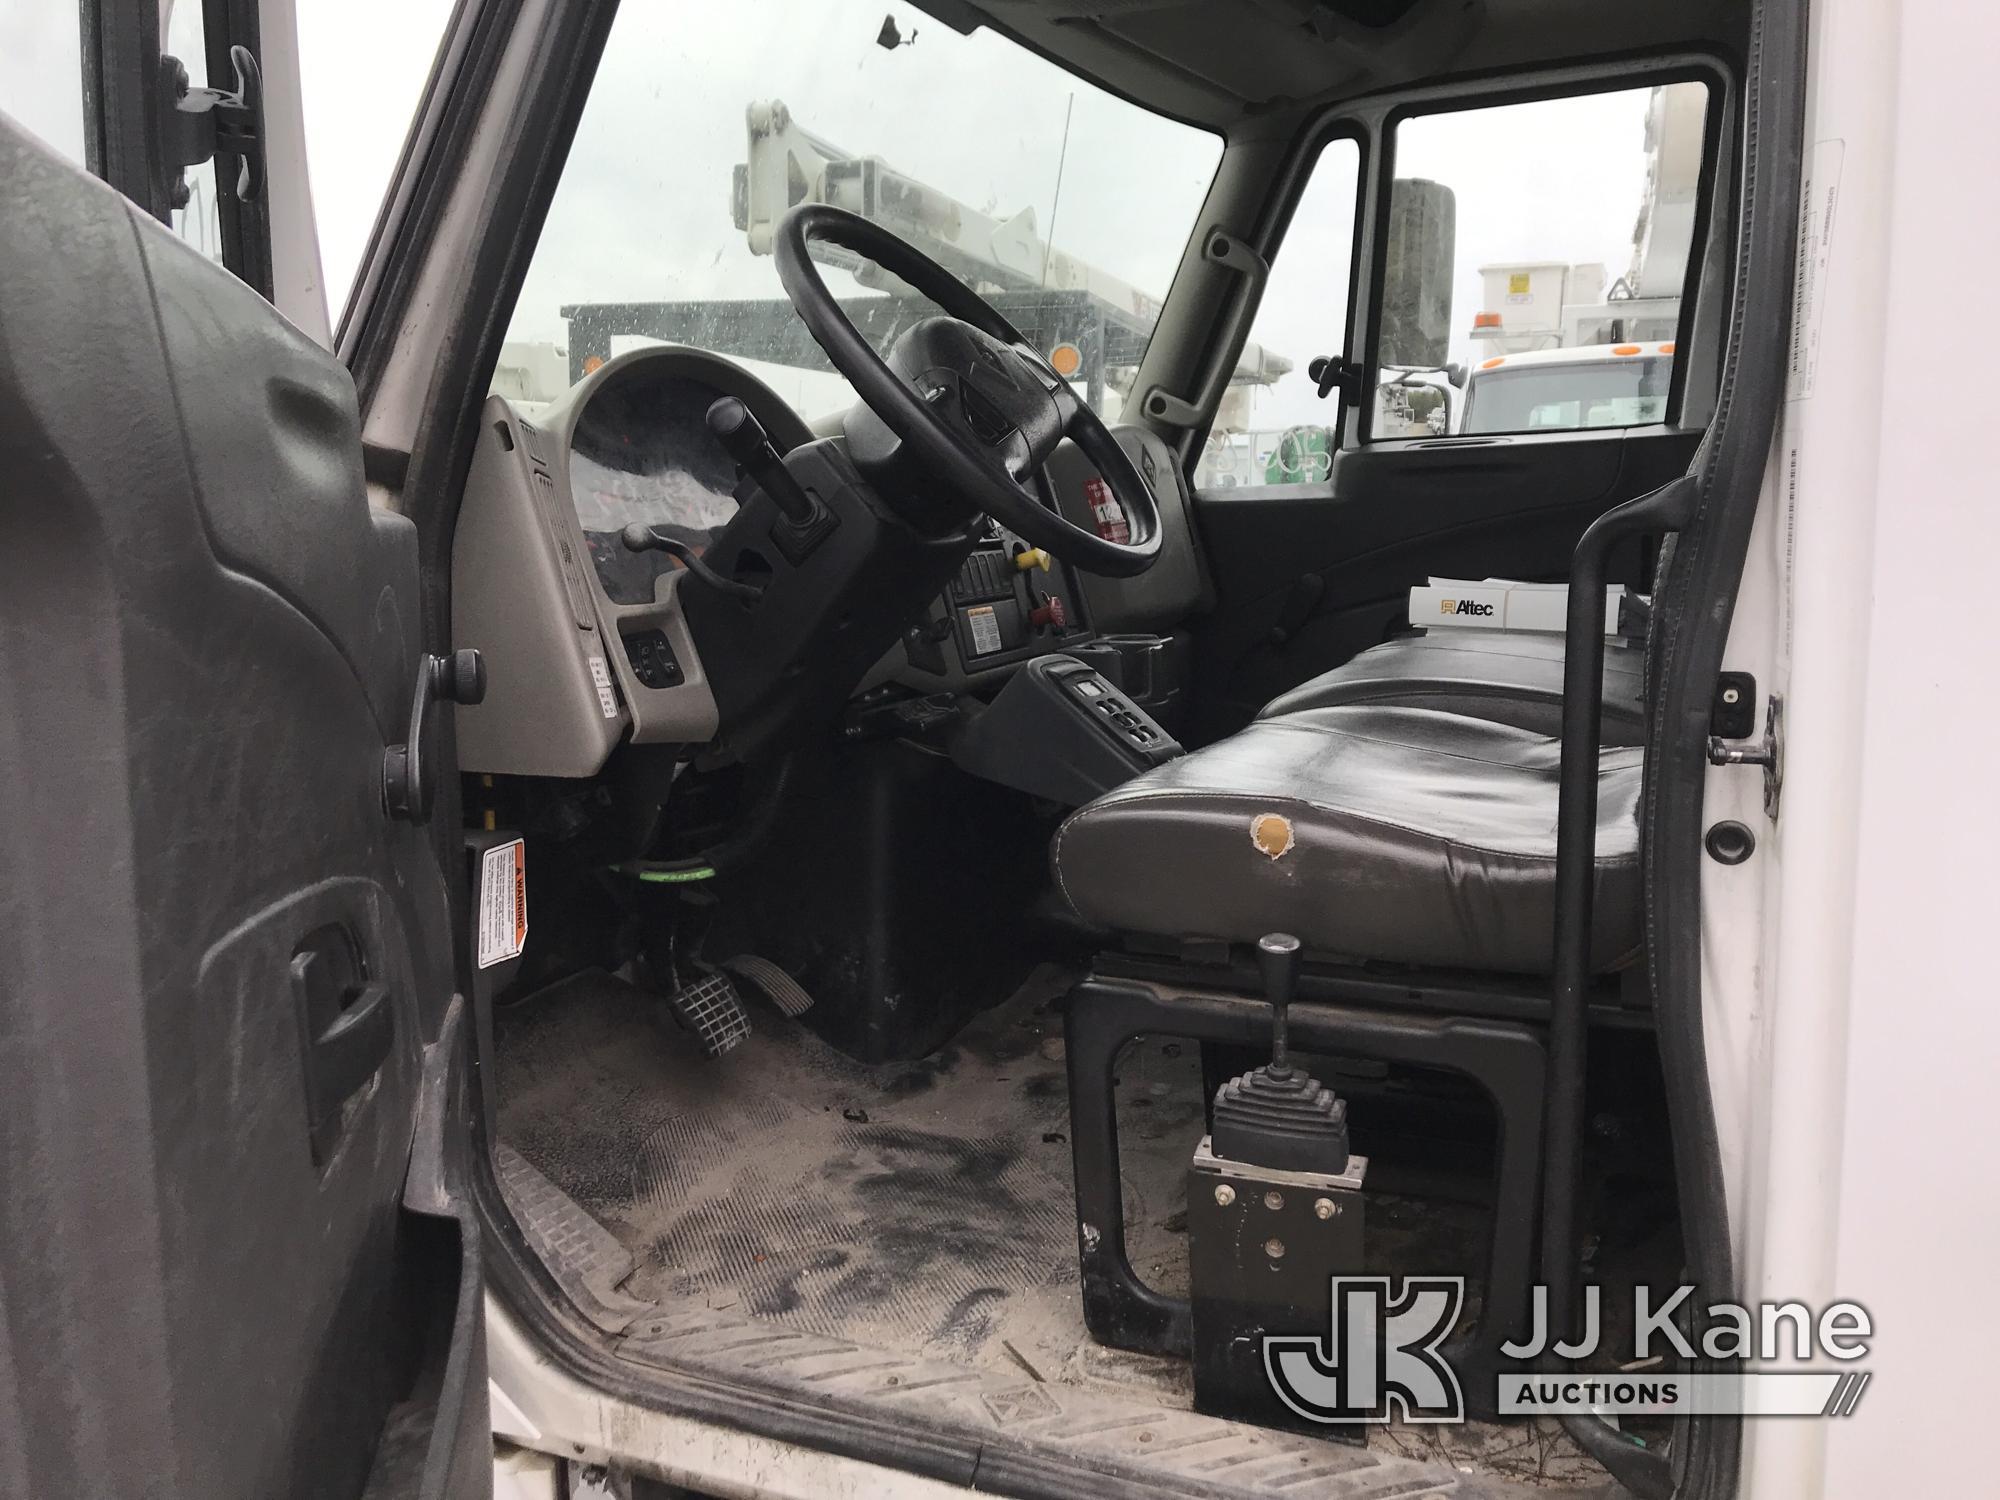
[(905, 1231)]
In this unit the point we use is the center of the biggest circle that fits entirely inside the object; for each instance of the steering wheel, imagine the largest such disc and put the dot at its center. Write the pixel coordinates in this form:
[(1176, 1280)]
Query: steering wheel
[(979, 407)]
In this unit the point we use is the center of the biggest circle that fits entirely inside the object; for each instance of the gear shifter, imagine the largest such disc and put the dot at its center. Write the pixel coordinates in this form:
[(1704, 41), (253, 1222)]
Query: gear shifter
[(1275, 1211), (1276, 1116)]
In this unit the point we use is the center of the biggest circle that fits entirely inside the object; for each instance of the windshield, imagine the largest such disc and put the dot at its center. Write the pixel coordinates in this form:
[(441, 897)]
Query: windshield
[(1627, 392), (1066, 207)]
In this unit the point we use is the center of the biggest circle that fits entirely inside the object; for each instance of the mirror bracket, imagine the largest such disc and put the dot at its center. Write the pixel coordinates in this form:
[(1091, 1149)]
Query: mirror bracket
[(1331, 372)]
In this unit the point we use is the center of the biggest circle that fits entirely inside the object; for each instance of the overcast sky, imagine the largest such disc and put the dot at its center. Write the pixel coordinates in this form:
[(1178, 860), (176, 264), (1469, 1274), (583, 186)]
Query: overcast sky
[(41, 70), (643, 211)]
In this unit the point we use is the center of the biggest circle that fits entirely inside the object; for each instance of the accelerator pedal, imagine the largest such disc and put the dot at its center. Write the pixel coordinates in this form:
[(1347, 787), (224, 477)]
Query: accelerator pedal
[(712, 1010), (777, 986)]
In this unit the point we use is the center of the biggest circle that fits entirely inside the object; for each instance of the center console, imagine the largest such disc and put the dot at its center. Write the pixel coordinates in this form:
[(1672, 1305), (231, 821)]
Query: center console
[(1062, 730)]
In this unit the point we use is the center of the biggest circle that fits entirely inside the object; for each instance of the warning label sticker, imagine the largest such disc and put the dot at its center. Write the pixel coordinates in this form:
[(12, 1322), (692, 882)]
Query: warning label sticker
[(1817, 201), (503, 903), (985, 629), (601, 676), (1105, 511)]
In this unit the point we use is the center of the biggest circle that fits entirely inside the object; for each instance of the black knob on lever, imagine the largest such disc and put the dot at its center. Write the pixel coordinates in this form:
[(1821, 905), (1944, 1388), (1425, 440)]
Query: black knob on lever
[(745, 440), (459, 677), (1278, 967), (639, 537)]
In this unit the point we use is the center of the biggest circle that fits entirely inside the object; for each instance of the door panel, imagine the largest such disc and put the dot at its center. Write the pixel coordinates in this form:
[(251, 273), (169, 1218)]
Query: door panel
[(225, 966), (1307, 575)]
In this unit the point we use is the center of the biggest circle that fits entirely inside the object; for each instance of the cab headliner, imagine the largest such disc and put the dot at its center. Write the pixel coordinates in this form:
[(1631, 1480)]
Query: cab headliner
[(1225, 63)]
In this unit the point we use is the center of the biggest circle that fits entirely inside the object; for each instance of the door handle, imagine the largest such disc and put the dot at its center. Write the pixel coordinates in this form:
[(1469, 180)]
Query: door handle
[(346, 1024)]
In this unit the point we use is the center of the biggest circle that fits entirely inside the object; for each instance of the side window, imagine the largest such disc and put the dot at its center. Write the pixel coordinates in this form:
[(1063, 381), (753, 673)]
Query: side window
[(1272, 427), (41, 72), (1538, 253)]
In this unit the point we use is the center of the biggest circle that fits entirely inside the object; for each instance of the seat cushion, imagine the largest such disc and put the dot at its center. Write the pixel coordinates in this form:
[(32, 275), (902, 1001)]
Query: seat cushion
[(1371, 832), (1508, 676)]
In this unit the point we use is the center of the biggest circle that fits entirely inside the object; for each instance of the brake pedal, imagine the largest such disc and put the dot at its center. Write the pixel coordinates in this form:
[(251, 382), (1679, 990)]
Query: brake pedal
[(712, 1010), (776, 985)]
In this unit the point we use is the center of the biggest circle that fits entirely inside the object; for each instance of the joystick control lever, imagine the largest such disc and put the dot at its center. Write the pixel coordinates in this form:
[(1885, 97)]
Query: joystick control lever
[(1275, 1209), (1278, 967), (1277, 1116)]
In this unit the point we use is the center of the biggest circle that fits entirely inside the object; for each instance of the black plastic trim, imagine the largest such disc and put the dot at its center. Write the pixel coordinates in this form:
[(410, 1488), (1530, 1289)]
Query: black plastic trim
[(121, 89), (385, 466)]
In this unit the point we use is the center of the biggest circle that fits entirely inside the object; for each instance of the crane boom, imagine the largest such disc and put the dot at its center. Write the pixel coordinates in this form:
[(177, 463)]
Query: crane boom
[(788, 165), (1054, 298)]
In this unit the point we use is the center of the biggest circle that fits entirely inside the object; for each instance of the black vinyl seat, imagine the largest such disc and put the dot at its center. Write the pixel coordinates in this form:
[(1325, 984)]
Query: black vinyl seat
[(1402, 809), (1505, 676), (1371, 831)]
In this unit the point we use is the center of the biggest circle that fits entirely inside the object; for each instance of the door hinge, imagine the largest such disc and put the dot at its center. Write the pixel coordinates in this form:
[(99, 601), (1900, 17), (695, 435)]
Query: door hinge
[(197, 124), (1769, 752)]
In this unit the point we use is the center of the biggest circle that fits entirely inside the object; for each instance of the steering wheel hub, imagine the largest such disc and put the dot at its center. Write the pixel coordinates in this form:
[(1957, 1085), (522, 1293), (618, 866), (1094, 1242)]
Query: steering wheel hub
[(975, 403)]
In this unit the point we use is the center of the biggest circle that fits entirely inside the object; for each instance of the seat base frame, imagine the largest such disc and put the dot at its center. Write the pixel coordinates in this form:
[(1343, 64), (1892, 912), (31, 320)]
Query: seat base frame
[(1506, 1060)]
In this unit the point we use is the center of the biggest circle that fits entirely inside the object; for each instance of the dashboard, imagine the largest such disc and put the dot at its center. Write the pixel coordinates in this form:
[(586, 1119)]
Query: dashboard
[(640, 450), (589, 643)]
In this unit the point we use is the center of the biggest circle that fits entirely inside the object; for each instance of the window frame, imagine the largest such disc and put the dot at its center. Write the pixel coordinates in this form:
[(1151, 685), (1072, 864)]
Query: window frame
[(1698, 334), (1274, 223), (123, 43)]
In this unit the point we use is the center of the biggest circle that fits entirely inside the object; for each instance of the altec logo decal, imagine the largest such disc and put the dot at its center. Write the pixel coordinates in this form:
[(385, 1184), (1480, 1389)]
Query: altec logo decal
[(1463, 607), (1382, 1360)]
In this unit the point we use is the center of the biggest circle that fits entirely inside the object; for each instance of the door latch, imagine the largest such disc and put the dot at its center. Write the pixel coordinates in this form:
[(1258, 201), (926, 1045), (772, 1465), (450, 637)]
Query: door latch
[(406, 772), (197, 124), (1769, 752)]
